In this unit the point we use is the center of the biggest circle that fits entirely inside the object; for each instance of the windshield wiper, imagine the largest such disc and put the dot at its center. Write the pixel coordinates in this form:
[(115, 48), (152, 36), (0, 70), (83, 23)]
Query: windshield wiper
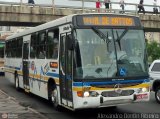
[(120, 37), (101, 34)]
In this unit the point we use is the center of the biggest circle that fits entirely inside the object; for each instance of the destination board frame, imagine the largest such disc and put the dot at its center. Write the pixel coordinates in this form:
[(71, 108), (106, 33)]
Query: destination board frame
[(107, 20)]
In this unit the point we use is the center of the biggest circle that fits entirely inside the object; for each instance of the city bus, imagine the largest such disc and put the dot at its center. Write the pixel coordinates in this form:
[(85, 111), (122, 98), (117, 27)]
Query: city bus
[(81, 61), (2, 44)]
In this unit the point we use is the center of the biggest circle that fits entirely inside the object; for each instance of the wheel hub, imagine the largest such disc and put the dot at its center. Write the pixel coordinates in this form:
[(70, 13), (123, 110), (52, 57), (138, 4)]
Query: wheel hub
[(158, 95), (54, 96)]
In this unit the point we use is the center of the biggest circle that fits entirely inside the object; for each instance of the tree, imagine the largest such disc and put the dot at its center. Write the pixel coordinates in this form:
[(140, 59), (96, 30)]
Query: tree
[(153, 50)]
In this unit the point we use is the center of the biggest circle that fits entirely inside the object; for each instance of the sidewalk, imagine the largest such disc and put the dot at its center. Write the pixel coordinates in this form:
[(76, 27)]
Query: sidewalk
[(11, 109)]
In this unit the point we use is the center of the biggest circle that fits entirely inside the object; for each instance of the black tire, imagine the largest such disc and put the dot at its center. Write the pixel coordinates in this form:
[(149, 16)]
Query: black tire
[(54, 96), (157, 95), (17, 82), (112, 107)]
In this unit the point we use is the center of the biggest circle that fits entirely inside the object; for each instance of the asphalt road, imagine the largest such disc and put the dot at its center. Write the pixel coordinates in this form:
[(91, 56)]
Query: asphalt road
[(143, 110)]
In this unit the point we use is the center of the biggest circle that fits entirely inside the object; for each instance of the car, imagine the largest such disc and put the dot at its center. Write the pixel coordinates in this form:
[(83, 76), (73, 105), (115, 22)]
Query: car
[(154, 72)]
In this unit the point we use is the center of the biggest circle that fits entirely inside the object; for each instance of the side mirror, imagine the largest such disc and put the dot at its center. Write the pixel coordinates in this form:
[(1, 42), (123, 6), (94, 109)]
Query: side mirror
[(70, 42)]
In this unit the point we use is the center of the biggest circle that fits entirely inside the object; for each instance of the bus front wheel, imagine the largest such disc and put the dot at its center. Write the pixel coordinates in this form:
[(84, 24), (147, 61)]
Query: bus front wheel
[(54, 98), (17, 82), (157, 95)]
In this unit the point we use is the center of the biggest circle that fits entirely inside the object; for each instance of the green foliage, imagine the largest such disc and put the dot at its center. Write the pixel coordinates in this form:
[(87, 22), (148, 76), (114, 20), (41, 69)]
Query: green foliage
[(153, 50)]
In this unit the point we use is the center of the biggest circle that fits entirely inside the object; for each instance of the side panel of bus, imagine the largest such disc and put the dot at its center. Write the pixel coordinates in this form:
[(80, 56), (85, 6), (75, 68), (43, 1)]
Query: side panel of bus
[(33, 77), (33, 73), (13, 64)]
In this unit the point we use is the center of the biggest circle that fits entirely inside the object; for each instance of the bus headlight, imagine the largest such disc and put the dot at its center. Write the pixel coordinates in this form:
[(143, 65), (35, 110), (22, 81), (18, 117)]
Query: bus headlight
[(144, 90), (90, 94), (86, 94)]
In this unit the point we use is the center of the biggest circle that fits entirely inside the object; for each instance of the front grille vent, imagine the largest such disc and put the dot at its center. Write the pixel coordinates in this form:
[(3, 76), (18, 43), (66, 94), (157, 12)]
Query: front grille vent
[(115, 94)]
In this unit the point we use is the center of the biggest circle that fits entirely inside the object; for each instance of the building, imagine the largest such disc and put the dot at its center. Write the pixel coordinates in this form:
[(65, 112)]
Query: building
[(152, 36), (8, 30)]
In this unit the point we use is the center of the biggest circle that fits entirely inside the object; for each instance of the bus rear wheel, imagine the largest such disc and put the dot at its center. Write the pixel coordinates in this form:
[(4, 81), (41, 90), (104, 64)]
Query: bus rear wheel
[(17, 82)]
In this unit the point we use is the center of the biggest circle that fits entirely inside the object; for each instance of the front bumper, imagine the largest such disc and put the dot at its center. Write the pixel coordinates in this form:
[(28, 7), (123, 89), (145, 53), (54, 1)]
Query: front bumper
[(101, 101)]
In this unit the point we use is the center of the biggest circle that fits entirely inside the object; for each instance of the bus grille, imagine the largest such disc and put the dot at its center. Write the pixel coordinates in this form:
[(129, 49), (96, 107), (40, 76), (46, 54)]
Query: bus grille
[(115, 94)]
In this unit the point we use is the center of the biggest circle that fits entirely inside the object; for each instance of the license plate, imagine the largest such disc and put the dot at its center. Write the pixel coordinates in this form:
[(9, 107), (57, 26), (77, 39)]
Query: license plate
[(142, 96)]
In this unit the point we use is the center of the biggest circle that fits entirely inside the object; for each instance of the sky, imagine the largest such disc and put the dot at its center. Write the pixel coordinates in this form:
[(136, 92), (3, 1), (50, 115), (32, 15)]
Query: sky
[(90, 4)]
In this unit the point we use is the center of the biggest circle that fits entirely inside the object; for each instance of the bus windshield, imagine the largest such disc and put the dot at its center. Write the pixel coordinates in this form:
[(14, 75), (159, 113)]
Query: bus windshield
[(109, 53)]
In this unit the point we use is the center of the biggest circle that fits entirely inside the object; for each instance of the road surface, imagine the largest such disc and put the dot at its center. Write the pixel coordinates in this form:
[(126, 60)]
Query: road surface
[(148, 110)]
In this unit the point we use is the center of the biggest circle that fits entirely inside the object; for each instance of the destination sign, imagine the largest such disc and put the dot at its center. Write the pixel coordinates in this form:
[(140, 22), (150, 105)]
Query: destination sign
[(104, 20)]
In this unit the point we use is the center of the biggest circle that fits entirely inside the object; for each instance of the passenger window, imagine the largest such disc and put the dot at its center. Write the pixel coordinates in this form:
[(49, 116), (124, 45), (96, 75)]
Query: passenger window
[(41, 47), (13, 48), (33, 46), (19, 47), (52, 44)]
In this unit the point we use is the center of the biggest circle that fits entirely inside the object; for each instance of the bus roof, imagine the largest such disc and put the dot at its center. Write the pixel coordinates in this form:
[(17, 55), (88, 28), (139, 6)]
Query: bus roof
[(56, 22), (42, 27)]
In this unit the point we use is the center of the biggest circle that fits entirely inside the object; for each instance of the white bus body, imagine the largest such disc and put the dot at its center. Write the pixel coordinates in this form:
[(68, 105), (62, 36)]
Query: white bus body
[(55, 78)]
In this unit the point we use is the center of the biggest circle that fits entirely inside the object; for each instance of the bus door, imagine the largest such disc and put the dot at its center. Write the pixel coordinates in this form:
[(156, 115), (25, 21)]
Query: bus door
[(66, 59), (25, 61)]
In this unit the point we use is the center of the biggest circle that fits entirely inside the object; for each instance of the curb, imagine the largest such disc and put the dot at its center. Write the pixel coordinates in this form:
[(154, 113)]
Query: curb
[(30, 109)]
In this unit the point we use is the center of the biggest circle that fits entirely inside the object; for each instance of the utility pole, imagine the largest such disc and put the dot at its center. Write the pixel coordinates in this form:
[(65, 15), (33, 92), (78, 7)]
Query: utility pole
[(53, 6), (21, 2), (82, 6), (53, 2)]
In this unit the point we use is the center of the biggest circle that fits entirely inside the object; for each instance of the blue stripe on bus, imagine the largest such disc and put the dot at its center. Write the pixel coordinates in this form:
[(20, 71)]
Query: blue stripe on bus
[(68, 77), (89, 83), (17, 68), (109, 82), (52, 74)]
